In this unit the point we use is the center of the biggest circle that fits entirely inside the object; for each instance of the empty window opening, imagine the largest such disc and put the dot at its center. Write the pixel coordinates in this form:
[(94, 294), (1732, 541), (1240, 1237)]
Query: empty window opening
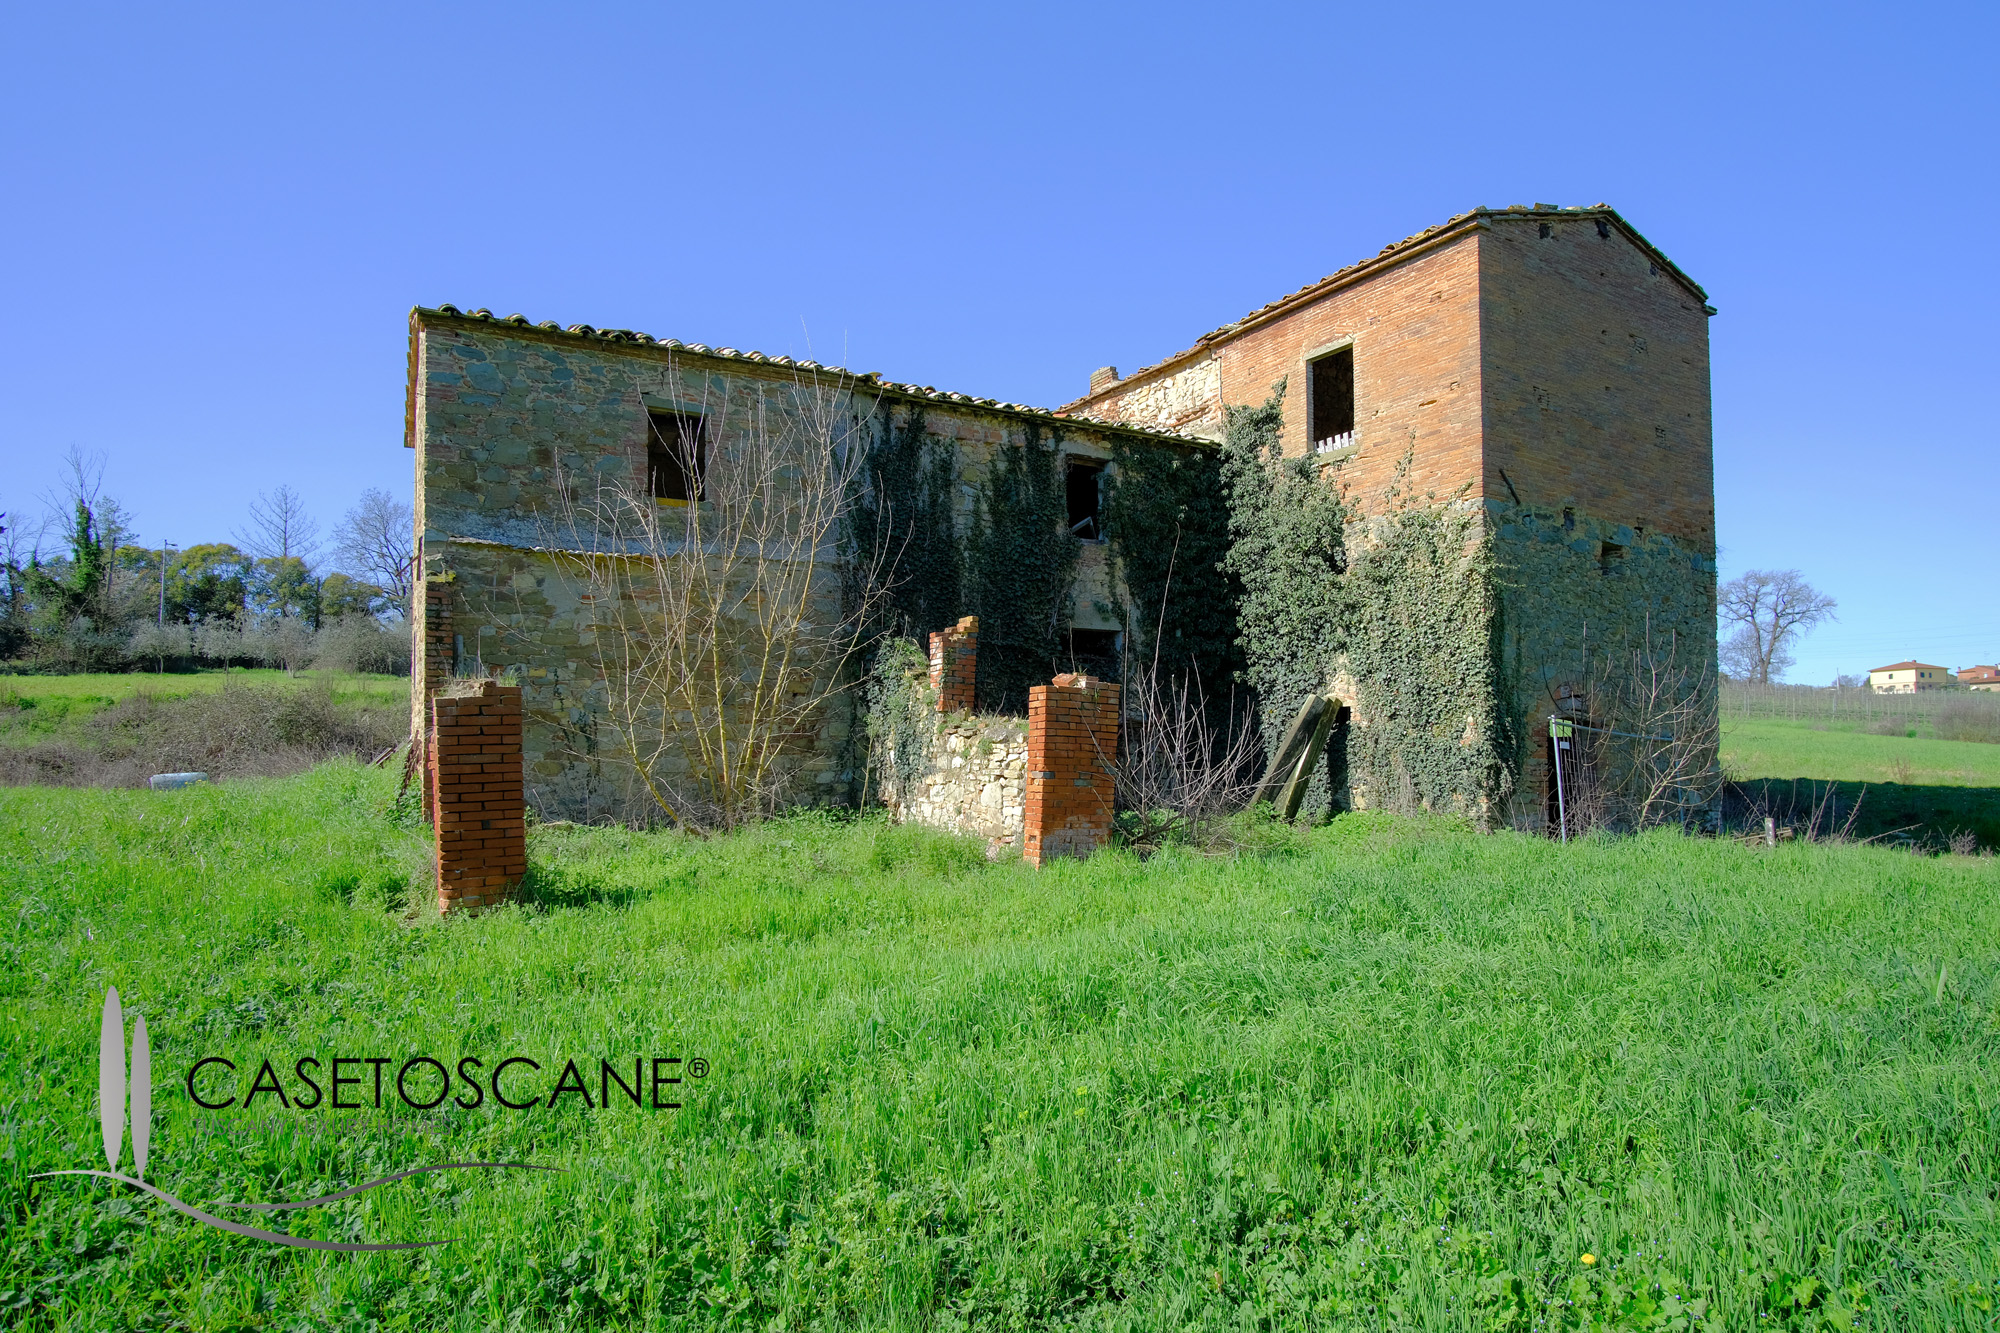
[(1085, 485), (1094, 652), (1331, 402), (1609, 556), (676, 451), (1546, 231)]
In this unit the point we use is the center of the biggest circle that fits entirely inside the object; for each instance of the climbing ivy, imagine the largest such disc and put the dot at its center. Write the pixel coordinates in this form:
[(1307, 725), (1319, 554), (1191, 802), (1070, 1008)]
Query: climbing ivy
[(1168, 524), (1395, 613), (901, 717), (901, 525), (1020, 566)]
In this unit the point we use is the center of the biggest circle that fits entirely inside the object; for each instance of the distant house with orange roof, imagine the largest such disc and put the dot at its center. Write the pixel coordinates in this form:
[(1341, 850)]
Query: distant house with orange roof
[(1980, 678), (1909, 677)]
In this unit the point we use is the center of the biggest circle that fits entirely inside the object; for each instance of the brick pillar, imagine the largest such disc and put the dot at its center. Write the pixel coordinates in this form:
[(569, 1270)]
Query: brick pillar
[(954, 657), (1072, 741), (431, 664), (476, 790)]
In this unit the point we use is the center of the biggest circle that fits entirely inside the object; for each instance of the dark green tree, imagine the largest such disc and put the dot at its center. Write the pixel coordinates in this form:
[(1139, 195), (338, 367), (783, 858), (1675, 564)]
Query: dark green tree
[(340, 596), (284, 586), (208, 581)]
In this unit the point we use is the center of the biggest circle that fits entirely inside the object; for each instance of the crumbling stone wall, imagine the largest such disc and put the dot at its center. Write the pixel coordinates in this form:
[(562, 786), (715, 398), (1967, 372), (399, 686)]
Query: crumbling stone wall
[(503, 413), (973, 782)]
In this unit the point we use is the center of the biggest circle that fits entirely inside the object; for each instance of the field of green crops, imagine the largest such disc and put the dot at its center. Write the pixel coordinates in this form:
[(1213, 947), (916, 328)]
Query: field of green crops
[(1379, 1074)]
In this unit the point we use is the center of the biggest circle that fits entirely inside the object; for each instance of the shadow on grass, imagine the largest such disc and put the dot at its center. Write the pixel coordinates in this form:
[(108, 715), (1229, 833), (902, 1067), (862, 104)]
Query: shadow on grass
[(572, 886), (1890, 812)]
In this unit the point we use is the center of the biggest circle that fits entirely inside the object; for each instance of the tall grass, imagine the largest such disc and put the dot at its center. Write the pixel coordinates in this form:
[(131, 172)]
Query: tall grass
[(1384, 1073)]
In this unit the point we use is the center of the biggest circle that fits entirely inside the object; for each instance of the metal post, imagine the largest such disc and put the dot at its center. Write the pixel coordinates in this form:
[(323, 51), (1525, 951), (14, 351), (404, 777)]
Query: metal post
[(160, 638), (1556, 758)]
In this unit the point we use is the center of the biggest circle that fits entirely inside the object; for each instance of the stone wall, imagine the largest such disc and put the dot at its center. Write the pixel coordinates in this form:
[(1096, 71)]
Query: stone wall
[(505, 414), (974, 782), (1187, 398)]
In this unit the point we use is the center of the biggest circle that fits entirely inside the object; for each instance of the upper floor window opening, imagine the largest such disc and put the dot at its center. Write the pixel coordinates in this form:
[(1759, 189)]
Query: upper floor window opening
[(676, 453), (1083, 480), (1330, 401)]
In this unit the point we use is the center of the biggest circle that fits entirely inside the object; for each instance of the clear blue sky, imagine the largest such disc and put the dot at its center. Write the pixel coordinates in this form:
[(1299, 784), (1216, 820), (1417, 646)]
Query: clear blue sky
[(216, 220)]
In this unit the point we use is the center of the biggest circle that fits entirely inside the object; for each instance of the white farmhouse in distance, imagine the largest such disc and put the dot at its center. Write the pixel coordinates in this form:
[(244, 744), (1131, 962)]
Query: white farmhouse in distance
[(1909, 677)]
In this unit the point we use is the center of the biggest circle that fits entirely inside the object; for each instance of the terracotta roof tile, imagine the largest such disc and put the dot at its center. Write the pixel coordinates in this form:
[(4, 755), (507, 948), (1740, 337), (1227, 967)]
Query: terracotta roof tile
[(872, 379)]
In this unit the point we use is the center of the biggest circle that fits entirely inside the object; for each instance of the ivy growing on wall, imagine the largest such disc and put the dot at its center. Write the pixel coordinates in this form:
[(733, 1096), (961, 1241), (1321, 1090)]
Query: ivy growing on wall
[(1168, 524), (902, 523), (900, 720), (1395, 613), (1020, 566)]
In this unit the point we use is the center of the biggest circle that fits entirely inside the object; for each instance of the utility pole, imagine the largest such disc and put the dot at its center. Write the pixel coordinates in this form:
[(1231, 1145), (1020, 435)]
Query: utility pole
[(160, 639)]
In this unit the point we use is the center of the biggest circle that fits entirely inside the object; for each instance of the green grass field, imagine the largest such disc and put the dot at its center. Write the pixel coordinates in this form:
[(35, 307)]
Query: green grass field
[(1379, 1074), (1905, 787), (1772, 748), (33, 708)]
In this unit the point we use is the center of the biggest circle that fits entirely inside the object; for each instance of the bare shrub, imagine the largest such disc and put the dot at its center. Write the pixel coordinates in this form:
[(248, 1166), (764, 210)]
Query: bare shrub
[(1186, 764), (1790, 811), (723, 630), (238, 731), (1645, 731), (1967, 717), (363, 643)]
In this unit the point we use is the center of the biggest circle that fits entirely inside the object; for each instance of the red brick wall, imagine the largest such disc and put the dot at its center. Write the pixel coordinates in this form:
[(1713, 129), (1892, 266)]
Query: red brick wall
[(1595, 370), (1072, 741), (478, 796), (430, 666), (1415, 332), (954, 663)]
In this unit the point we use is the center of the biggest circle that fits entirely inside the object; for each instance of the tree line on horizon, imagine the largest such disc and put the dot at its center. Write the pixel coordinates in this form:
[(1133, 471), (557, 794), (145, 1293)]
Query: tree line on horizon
[(79, 593)]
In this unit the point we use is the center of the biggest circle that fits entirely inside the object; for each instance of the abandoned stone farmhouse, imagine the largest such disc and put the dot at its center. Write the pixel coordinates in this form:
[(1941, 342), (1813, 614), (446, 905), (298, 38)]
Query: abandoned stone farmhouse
[(1542, 371)]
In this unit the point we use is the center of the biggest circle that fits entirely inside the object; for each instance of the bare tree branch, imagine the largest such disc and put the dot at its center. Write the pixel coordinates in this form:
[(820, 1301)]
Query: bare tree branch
[(1772, 610), (280, 528), (725, 627), (376, 541)]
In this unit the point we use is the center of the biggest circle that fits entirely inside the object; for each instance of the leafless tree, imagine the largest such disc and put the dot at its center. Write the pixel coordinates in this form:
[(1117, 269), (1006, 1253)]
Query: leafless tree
[(280, 528), (1185, 764), (376, 541), (1643, 734), (720, 630), (1770, 611)]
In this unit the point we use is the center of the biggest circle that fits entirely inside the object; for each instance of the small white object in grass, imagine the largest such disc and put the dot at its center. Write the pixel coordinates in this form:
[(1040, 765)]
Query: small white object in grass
[(169, 781)]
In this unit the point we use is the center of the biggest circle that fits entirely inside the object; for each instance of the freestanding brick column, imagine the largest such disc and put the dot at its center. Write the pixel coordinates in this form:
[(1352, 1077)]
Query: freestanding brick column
[(954, 657), (476, 791), (1072, 742)]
